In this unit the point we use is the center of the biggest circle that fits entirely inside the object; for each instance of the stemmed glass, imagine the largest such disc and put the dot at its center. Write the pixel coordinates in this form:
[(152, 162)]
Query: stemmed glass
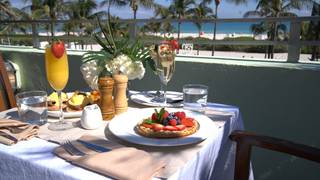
[(57, 71), (164, 55)]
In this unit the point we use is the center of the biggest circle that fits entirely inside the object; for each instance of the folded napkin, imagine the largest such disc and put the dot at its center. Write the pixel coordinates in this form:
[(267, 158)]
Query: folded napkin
[(12, 131), (125, 163)]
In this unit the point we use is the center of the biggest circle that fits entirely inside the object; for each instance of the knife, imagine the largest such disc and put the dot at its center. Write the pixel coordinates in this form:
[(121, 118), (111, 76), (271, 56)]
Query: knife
[(94, 147)]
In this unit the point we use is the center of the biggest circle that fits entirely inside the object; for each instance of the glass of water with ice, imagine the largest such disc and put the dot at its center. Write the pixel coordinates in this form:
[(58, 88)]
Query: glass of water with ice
[(32, 107), (195, 97)]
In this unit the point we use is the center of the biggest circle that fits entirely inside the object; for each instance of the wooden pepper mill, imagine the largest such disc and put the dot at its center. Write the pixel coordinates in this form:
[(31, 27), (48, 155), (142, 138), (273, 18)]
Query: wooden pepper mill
[(106, 101), (120, 95)]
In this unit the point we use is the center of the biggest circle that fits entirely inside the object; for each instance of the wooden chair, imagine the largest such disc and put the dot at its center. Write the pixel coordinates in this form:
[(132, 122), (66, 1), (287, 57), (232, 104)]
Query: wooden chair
[(7, 99), (245, 140)]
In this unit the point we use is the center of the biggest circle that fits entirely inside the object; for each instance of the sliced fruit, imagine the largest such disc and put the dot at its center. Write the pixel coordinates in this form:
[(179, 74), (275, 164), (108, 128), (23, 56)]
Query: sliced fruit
[(170, 128), (147, 125), (94, 97), (180, 127), (157, 127), (78, 101)]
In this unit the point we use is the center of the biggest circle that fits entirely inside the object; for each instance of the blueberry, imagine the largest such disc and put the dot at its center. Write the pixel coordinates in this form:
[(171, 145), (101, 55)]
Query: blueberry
[(165, 122)]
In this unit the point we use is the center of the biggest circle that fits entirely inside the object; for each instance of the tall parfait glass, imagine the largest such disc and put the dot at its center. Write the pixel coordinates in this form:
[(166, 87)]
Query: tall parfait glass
[(164, 57), (57, 71)]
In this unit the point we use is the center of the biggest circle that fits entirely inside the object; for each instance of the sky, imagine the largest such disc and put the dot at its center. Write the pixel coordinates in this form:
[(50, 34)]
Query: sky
[(225, 10)]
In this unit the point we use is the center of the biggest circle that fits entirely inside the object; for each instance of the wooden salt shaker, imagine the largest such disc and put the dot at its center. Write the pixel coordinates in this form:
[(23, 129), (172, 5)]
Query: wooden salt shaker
[(106, 101), (120, 95)]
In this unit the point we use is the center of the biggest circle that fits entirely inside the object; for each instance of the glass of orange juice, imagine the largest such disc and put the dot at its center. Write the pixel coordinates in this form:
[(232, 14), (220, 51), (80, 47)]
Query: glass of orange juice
[(57, 71)]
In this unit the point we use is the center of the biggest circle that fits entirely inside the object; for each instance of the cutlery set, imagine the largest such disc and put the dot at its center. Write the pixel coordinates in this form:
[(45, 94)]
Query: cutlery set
[(74, 151)]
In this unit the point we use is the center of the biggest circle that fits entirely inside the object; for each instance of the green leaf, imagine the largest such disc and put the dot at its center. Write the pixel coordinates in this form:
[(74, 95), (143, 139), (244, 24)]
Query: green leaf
[(160, 114), (148, 121)]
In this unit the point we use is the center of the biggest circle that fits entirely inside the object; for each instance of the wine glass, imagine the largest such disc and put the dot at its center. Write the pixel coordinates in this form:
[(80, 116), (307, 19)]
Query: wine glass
[(164, 55), (57, 71)]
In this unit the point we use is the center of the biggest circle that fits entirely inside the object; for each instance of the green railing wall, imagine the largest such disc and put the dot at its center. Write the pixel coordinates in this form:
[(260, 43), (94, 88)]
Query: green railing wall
[(275, 98)]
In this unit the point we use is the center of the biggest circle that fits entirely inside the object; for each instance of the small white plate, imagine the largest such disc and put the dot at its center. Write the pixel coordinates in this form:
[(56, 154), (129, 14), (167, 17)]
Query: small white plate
[(73, 114), (146, 98), (56, 114), (123, 126)]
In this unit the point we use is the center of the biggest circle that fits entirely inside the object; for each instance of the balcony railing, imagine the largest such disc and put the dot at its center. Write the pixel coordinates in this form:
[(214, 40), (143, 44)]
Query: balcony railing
[(293, 43)]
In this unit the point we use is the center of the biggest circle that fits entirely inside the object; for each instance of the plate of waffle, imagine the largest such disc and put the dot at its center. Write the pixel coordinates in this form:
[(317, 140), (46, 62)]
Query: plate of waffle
[(72, 103)]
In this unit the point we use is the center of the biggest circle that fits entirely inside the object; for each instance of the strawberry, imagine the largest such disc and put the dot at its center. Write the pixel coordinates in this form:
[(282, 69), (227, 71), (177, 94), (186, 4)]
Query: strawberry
[(170, 128), (147, 125), (172, 122), (57, 49), (182, 115), (157, 127), (165, 115), (180, 127), (154, 117), (174, 43), (187, 122)]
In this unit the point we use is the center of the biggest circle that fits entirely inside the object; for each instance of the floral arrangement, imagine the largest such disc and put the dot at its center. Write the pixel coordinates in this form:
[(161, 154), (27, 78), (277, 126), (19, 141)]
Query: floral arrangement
[(117, 56)]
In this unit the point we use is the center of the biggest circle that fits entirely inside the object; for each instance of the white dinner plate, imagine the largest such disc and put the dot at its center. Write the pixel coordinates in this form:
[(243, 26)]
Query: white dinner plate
[(123, 126), (147, 98)]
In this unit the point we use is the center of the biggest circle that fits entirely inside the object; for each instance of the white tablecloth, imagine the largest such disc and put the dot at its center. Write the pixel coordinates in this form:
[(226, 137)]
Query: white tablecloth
[(33, 159)]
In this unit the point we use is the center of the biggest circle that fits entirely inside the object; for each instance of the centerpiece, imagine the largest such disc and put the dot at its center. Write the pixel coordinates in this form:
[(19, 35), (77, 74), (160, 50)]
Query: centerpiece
[(119, 60)]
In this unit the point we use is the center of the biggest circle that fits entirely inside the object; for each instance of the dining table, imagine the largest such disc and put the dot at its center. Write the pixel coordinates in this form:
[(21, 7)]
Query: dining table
[(211, 158)]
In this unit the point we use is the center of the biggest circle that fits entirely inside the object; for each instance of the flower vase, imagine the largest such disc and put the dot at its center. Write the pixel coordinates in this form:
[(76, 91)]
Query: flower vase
[(106, 102), (120, 94)]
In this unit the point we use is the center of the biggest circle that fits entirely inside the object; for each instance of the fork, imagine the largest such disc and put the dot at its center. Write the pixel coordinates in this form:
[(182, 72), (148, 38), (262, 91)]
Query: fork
[(71, 149)]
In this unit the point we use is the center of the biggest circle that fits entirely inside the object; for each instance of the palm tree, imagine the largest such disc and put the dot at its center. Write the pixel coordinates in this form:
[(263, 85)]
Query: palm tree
[(200, 11), (217, 3), (7, 12), (44, 9), (134, 4), (152, 27), (82, 10), (116, 3), (179, 10), (164, 13), (275, 8), (272, 8)]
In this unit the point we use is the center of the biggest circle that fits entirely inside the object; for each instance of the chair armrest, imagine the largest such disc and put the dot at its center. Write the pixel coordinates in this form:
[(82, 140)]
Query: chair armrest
[(276, 144)]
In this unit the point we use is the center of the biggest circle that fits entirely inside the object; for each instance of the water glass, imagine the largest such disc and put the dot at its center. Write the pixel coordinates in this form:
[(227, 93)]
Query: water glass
[(32, 107), (195, 97)]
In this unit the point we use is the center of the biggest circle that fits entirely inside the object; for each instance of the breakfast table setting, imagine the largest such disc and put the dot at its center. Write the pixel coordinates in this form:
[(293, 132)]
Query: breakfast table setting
[(41, 157), (113, 132)]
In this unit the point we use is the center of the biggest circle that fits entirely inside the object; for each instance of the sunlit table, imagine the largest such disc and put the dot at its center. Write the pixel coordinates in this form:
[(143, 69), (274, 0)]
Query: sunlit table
[(211, 159)]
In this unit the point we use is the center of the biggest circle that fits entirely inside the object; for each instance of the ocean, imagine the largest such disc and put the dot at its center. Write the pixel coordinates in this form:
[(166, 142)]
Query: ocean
[(222, 28)]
